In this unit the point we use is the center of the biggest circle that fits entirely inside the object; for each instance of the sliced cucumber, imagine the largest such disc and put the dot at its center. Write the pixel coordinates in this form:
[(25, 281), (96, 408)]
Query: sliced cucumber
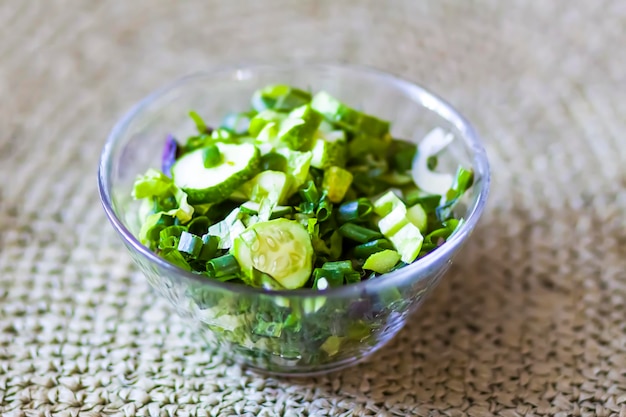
[(280, 248), (298, 130), (329, 149), (387, 203), (298, 164), (211, 185), (348, 118)]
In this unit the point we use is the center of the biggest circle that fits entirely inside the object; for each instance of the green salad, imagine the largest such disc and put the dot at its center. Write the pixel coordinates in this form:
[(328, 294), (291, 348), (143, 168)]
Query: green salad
[(300, 191)]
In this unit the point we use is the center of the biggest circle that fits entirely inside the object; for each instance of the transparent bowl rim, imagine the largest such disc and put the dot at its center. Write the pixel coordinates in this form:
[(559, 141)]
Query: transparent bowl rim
[(399, 277)]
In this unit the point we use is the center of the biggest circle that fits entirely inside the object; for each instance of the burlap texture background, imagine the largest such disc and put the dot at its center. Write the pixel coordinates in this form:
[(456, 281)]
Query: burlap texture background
[(537, 326)]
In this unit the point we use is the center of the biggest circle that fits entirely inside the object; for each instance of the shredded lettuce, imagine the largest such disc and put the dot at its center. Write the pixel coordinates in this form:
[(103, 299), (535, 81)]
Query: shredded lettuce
[(156, 185)]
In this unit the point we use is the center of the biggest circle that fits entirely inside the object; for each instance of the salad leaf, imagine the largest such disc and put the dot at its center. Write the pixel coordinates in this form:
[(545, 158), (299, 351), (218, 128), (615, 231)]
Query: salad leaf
[(155, 184)]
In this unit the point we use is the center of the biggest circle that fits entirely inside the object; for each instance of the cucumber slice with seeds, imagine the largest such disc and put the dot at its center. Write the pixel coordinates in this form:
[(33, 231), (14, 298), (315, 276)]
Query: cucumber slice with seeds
[(280, 248)]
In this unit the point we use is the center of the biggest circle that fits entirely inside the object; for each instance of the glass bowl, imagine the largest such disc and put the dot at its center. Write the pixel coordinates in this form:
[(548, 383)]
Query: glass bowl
[(292, 331)]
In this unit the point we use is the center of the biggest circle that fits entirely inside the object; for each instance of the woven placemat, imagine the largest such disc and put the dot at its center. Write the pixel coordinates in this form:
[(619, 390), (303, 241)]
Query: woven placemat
[(530, 322)]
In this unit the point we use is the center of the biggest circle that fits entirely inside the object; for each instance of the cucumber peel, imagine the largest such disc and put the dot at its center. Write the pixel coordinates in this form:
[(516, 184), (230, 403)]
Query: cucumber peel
[(239, 162)]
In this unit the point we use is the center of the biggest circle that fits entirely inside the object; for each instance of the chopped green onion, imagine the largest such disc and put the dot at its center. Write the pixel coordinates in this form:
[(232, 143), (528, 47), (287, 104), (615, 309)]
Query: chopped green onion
[(343, 266), (211, 156), (336, 245), (427, 248), (462, 181), (324, 209), (307, 207), (402, 154), (170, 242), (199, 225), (209, 247), (326, 278), (428, 201), (152, 226), (231, 277), (173, 256), (368, 185), (170, 236), (310, 225), (228, 229), (190, 244), (224, 265), (366, 249), (443, 233), (309, 192), (200, 124), (355, 211), (358, 233), (395, 178), (432, 162), (352, 277), (172, 231)]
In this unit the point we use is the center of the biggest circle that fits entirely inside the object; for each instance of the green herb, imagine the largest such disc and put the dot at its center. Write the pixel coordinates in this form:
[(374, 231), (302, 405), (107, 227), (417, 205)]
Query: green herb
[(359, 233), (211, 156), (200, 124), (355, 211)]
